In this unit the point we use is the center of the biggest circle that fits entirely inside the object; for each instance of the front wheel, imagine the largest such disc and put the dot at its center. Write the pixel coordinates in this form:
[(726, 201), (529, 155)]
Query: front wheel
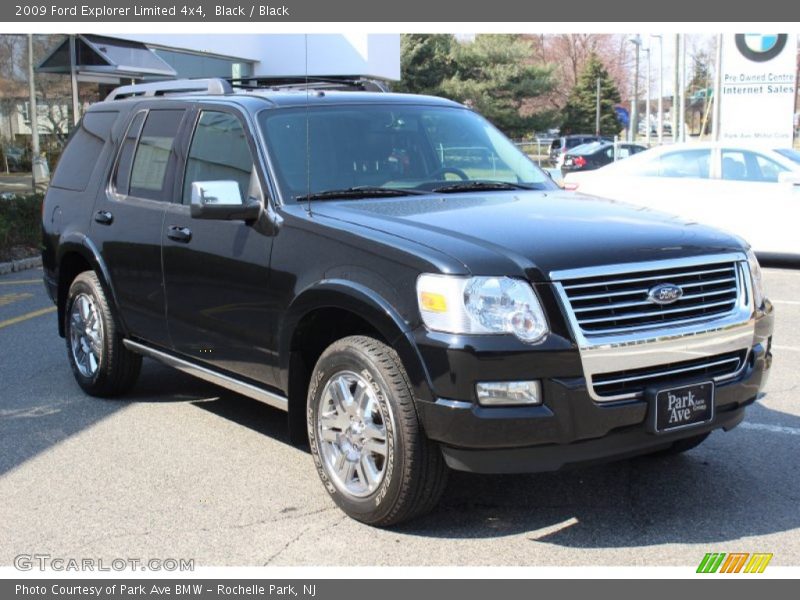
[(367, 443)]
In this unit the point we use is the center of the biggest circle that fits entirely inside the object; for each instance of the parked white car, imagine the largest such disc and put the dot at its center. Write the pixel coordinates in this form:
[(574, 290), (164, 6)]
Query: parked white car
[(754, 193)]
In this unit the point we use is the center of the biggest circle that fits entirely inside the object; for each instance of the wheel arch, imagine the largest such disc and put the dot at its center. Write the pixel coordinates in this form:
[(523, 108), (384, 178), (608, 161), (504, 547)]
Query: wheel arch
[(76, 254), (357, 310)]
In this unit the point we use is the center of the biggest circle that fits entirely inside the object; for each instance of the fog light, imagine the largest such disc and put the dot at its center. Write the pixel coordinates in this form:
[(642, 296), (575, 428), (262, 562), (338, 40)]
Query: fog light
[(509, 393)]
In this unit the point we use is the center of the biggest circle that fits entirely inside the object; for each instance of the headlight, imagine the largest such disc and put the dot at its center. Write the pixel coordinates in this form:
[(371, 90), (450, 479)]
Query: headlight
[(757, 279), (482, 305)]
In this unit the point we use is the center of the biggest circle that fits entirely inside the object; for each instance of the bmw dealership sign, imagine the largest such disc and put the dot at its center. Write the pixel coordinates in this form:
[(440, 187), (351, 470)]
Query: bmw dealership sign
[(760, 47), (758, 88)]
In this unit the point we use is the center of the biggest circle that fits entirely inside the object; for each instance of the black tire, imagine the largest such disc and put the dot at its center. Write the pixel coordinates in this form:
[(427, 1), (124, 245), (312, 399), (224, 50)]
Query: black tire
[(117, 368), (414, 474), (684, 445)]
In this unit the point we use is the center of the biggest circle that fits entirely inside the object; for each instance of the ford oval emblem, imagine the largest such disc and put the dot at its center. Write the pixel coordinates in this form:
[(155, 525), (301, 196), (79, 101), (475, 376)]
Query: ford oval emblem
[(665, 293)]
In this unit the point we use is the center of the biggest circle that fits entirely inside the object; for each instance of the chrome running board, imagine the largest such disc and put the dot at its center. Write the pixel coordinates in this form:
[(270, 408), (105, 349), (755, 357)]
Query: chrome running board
[(226, 381)]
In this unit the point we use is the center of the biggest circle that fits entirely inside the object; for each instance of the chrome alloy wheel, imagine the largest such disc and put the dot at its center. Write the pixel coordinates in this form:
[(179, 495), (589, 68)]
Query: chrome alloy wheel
[(86, 335), (351, 429)]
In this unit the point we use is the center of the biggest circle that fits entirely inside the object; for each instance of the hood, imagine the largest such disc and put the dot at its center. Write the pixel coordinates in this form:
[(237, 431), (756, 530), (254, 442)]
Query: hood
[(535, 232)]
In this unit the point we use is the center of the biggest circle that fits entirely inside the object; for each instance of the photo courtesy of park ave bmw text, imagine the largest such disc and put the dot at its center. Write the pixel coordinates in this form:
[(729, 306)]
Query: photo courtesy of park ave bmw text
[(299, 299)]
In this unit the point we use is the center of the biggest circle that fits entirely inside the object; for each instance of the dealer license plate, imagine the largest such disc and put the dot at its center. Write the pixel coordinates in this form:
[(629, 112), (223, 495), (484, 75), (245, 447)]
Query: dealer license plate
[(685, 406)]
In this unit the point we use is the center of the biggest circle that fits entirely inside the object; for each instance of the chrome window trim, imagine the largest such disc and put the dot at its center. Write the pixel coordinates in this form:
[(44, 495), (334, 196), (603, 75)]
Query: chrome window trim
[(659, 344)]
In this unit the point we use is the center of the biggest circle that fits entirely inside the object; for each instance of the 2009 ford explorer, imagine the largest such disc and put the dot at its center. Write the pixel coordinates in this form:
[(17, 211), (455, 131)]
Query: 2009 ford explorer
[(395, 274)]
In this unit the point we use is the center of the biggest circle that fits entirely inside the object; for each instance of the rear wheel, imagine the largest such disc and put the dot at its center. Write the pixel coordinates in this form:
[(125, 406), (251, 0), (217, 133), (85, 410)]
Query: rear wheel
[(100, 362), (367, 443)]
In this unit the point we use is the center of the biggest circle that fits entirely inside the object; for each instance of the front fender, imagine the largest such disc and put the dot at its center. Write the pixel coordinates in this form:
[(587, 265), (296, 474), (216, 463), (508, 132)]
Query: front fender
[(370, 306)]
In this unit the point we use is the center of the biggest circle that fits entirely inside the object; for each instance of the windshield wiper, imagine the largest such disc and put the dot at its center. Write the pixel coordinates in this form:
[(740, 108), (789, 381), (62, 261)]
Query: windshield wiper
[(359, 192), (478, 186)]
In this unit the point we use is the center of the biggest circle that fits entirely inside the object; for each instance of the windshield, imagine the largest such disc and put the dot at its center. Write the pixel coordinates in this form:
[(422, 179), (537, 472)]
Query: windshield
[(342, 151), (792, 155)]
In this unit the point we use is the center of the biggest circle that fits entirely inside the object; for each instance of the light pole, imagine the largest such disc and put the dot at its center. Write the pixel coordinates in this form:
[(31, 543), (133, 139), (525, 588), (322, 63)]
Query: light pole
[(717, 98), (647, 101), (682, 91), (633, 129), (34, 117), (73, 73), (675, 90), (660, 86)]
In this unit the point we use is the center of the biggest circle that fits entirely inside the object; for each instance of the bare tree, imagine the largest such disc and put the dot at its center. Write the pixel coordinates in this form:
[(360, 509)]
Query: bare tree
[(567, 55)]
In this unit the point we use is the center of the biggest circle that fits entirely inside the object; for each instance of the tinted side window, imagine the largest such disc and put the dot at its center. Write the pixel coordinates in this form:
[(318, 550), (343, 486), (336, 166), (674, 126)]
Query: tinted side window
[(122, 176), (742, 165), (767, 169), (219, 151), (684, 163), (148, 174), (83, 151)]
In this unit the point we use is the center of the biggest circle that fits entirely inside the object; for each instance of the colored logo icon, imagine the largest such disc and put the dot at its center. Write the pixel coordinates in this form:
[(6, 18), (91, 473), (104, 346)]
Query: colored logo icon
[(760, 47), (734, 562)]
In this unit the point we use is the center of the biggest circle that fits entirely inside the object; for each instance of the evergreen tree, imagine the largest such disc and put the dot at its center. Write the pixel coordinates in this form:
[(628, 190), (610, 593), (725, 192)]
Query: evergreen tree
[(495, 76), (580, 111), (492, 73), (425, 62)]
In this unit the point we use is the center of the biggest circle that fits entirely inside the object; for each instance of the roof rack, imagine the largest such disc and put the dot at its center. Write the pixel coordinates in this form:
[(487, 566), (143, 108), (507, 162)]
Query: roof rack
[(315, 82), (220, 87), (212, 87)]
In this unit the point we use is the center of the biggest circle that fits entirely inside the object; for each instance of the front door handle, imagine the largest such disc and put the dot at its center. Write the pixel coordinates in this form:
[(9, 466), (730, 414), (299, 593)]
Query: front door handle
[(179, 234), (103, 217)]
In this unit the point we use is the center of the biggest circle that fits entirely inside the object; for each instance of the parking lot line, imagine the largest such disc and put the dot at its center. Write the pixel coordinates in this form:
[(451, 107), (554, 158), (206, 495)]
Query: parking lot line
[(20, 281), (25, 317), (6, 299), (789, 348), (790, 302), (770, 428)]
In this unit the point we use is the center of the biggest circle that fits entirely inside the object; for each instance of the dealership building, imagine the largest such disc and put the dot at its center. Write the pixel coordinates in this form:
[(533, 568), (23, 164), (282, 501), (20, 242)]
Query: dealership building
[(111, 61), (92, 65)]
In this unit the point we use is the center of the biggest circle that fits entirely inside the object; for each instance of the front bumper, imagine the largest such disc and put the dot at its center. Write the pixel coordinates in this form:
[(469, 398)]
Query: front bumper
[(571, 427), (625, 443)]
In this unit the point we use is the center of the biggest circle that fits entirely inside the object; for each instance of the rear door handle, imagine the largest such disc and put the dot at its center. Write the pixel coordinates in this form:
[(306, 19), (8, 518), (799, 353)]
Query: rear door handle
[(179, 234), (103, 217)]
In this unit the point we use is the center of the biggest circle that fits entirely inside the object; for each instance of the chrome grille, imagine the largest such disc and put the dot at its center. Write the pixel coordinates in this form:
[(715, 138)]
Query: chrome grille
[(617, 303), (632, 383)]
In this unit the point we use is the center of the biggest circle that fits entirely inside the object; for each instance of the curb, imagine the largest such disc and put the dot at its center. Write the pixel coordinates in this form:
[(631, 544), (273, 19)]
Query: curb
[(20, 265)]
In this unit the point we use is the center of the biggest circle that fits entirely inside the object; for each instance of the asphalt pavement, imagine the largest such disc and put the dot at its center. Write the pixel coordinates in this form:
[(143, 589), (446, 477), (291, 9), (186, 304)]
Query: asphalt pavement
[(183, 469)]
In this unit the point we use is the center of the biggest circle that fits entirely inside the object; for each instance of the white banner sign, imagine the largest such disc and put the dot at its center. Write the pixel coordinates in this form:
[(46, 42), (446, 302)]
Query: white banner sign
[(758, 88)]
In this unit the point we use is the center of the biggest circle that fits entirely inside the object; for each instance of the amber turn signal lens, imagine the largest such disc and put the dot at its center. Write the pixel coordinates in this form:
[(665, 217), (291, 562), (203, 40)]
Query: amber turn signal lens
[(433, 302)]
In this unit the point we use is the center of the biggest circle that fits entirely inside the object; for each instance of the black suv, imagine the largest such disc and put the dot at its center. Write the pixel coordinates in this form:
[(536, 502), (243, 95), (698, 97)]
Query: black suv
[(394, 273)]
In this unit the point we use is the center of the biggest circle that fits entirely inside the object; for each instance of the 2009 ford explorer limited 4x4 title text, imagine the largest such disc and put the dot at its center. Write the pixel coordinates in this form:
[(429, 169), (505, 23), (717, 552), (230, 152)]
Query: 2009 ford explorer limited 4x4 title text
[(395, 274)]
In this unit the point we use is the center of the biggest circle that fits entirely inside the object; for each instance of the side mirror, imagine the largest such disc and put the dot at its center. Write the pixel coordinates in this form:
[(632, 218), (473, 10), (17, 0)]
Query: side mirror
[(222, 200)]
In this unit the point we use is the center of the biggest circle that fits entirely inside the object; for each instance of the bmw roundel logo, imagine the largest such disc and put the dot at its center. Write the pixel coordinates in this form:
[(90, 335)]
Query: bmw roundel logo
[(760, 47), (664, 293)]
